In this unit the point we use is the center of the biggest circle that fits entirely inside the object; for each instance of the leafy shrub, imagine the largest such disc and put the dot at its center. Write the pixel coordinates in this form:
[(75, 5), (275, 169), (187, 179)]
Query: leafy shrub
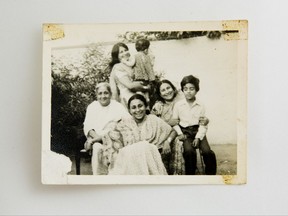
[(73, 88), (167, 35), (214, 35)]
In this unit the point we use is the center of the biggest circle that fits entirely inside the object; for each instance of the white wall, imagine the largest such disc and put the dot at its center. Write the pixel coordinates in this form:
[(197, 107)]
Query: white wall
[(214, 62)]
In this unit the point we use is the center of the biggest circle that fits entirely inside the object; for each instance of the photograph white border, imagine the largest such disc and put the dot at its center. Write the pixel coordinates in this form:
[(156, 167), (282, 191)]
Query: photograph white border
[(240, 178)]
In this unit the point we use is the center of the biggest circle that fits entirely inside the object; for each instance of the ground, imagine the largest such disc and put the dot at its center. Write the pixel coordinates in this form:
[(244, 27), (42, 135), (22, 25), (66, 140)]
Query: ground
[(226, 161)]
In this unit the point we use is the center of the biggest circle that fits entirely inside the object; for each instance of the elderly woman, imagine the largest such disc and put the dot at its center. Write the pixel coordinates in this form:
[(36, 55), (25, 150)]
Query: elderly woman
[(142, 132), (100, 116), (163, 108), (121, 75)]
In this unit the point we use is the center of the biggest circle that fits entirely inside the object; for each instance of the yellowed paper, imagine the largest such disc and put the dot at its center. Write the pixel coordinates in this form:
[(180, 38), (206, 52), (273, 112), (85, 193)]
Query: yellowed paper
[(213, 51)]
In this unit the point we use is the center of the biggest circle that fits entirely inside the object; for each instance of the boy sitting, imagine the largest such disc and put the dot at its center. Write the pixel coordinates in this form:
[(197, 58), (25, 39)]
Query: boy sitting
[(189, 112)]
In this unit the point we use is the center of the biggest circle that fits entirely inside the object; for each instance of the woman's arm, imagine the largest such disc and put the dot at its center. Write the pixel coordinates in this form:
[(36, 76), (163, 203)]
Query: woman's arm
[(168, 141), (173, 122), (133, 86), (157, 108), (203, 120), (175, 116), (113, 86), (172, 135), (92, 137), (129, 61)]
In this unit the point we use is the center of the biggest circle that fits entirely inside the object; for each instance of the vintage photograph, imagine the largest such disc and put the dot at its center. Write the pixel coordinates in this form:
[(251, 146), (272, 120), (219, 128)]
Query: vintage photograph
[(145, 103)]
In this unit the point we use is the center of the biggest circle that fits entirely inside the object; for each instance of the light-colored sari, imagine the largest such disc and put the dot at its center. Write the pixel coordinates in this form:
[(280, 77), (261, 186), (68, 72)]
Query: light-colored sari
[(153, 129), (148, 136)]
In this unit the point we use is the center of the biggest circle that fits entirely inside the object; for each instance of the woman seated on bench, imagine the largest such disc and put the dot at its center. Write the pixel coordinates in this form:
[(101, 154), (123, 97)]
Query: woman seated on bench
[(138, 143), (99, 116)]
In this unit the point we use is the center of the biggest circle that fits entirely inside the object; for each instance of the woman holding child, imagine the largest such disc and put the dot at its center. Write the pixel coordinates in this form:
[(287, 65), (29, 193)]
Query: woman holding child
[(185, 114), (121, 78)]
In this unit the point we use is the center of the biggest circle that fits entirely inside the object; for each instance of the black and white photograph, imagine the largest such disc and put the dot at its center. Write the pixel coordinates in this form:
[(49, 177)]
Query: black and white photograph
[(147, 103), (143, 107)]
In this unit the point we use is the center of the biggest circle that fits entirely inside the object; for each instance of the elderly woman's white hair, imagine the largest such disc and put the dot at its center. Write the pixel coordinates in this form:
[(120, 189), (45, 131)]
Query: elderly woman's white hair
[(103, 84)]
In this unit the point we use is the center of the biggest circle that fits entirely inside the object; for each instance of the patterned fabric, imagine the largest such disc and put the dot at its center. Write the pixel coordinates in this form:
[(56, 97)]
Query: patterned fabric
[(112, 143), (143, 69), (153, 130), (165, 112), (177, 164)]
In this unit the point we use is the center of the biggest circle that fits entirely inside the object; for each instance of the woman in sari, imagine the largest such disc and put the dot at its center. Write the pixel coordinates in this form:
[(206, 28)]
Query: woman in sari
[(142, 136), (163, 108)]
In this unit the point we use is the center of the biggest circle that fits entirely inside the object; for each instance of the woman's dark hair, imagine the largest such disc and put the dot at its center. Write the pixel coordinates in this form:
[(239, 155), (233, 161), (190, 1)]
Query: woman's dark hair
[(142, 44), (115, 53), (190, 79), (158, 94), (139, 97)]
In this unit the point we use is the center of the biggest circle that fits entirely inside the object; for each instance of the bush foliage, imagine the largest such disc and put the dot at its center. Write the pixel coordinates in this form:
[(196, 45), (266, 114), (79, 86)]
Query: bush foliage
[(72, 90), (167, 35)]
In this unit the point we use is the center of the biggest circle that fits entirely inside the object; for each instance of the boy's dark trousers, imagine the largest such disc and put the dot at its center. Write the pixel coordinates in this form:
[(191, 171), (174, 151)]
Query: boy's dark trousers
[(190, 154)]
